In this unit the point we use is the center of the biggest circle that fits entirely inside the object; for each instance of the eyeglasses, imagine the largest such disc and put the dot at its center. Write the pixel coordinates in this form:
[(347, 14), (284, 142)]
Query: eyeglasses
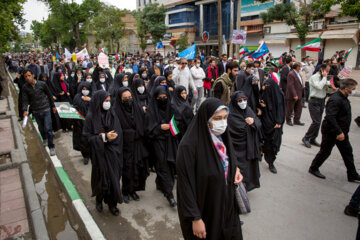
[(184, 63)]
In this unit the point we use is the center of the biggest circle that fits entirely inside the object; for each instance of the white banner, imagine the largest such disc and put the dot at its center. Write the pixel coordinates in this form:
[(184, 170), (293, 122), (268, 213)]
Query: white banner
[(239, 37)]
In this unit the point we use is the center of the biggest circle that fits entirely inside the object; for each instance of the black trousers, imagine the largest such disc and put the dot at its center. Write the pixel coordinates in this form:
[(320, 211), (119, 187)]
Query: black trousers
[(269, 152), (306, 91), (327, 144), (316, 109)]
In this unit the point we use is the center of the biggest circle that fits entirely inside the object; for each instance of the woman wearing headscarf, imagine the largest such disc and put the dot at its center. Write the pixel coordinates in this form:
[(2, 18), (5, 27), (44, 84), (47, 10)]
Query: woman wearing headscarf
[(103, 130), (170, 82), (103, 83), (143, 74), (75, 81), (160, 81), (135, 167), (164, 144), (121, 80), (182, 110), (151, 83), (81, 103), (273, 117), (62, 94), (207, 171), (244, 128), (140, 93), (251, 89), (88, 78)]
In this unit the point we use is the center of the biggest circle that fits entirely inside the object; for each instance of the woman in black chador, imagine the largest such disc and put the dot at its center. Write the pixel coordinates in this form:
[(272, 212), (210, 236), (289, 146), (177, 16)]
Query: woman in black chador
[(81, 103), (272, 119), (141, 95), (164, 144), (182, 110), (244, 126), (103, 130), (135, 167), (207, 172)]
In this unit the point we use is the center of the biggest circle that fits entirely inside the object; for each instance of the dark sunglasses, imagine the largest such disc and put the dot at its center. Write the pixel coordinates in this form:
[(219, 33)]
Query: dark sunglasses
[(184, 63)]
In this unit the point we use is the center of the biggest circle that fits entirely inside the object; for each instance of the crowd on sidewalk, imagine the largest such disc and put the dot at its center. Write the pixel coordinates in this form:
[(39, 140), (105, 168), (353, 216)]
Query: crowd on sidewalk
[(205, 123)]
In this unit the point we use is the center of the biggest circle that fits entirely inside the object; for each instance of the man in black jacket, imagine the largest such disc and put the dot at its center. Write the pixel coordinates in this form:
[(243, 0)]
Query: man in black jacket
[(335, 129), (37, 95), (222, 65), (284, 72)]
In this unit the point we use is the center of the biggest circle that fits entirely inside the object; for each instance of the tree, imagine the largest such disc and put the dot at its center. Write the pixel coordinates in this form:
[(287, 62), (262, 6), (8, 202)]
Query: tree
[(348, 7), (151, 21), (36, 29), (108, 25), (11, 15), (300, 17), (51, 33), (182, 43)]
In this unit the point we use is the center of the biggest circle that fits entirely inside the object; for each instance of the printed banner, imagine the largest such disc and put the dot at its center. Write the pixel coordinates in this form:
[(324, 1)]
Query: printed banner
[(345, 73), (103, 60), (239, 37), (65, 110)]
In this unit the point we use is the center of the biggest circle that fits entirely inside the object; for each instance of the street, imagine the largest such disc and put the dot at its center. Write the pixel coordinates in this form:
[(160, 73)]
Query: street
[(290, 205)]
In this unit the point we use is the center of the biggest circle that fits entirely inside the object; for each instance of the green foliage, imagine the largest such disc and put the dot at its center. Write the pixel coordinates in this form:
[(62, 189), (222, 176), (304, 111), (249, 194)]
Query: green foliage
[(151, 21), (108, 24), (182, 43), (348, 7), (36, 29), (11, 17)]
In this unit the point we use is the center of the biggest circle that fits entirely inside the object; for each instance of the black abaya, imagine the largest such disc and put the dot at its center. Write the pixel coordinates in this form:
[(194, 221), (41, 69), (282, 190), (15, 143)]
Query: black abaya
[(135, 166), (141, 99), (202, 191), (245, 140), (106, 157)]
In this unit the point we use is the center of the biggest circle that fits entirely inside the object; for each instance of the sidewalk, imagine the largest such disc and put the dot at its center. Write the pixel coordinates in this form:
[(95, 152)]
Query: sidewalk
[(20, 212)]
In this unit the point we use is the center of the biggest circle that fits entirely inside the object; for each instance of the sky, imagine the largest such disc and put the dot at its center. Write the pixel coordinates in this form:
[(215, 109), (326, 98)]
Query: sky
[(36, 10)]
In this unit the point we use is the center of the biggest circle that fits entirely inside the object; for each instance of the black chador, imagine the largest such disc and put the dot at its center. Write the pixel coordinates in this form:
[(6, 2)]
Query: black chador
[(139, 90), (164, 144), (81, 103), (202, 190), (182, 110), (135, 167), (245, 139), (106, 154), (273, 115)]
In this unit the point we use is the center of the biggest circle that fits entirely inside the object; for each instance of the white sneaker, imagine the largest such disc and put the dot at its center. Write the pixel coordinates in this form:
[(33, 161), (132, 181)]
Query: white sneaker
[(45, 142), (52, 152)]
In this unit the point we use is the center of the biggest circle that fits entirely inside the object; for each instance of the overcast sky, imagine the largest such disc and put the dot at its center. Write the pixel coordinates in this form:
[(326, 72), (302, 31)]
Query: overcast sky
[(35, 10)]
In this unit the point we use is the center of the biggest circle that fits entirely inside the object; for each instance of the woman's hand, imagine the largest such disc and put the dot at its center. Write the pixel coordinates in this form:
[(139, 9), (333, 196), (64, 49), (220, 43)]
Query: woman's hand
[(165, 127), (62, 93), (86, 98), (198, 227), (238, 176), (111, 135)]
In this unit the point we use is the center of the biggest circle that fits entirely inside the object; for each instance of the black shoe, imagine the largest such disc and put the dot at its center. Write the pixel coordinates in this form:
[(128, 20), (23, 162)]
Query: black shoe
[(241, 223), (114, 211), (86, 161), (315, 143), (273, 169), (135, 196), (299, 123), (172, 201), (99, 206), (152, 169), (354, 179), (350, 211), (126, 198), (316, 173), (306, 142), (289, 123)]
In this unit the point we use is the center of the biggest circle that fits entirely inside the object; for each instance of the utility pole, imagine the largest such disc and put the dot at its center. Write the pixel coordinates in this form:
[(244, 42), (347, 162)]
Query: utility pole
[(231, 46), (219, 17), (238, 22)]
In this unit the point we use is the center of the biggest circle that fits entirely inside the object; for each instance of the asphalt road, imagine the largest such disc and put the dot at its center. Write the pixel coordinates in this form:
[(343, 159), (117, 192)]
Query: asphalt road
[(290, 205)]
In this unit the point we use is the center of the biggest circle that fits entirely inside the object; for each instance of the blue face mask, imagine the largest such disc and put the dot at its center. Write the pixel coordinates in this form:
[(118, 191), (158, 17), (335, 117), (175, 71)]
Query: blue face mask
[(158, 65), (127, 65), (165, 85)]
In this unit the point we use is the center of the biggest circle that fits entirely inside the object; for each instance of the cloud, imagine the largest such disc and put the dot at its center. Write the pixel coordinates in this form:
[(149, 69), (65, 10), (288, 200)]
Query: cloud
[(36, 10)]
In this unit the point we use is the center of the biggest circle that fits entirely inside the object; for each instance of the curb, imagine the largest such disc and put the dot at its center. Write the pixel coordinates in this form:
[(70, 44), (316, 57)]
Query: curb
[(19, 158), (84, 218)]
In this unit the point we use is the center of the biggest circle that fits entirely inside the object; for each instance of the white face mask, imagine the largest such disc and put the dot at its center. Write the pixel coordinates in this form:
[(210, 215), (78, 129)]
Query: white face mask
[(252, 71), (197, 65), (141, 90), (102, 80), (171, 65), (219, 127), (256, 69), (242, 104), (125, 84), (353, 92), (106, 105), (85, 92), (144, 75), (89, 80)]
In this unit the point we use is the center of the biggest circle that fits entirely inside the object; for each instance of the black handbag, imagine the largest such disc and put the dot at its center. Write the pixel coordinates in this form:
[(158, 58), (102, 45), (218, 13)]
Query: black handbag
[(242, 199)]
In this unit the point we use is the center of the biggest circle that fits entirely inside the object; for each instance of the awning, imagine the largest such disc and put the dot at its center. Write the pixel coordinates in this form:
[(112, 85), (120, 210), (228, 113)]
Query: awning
[(274, 41), (342, 34), (254, 31), (174, 38), (310, 35)]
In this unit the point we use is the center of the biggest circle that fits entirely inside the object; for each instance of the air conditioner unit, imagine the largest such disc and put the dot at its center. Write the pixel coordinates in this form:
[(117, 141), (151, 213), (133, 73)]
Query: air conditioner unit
[(267, 30)]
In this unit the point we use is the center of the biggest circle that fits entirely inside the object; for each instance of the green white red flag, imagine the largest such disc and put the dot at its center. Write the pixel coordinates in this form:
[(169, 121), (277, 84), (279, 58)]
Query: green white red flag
[(313, 46), (173, 127), (348, 53)]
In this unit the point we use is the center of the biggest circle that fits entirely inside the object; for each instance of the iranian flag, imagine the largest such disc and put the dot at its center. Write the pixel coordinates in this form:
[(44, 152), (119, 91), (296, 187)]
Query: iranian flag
[(348, 53), (275, 76), (313, 46), (173, 127)]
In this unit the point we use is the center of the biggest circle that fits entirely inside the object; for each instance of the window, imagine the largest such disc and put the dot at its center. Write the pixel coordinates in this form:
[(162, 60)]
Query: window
[(144, 2), (139, 3)]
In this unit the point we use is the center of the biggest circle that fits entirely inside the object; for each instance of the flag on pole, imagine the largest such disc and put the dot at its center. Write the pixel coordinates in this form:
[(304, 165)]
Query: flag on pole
[(102, 50), (173, 127), (243, 50), (313, 46), (261, 51), (275, 76), (189, 53), (347, 53)]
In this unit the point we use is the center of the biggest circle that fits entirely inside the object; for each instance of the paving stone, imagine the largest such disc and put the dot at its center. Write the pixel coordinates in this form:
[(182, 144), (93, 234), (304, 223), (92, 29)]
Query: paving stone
[(10, 187), (12, 205), (10, 172), (10, 179), (13, 216), (11, 195), (6, 135)]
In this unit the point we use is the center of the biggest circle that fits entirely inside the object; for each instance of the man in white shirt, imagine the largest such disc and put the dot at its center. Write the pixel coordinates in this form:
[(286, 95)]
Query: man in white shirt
[(198, 75), (182, 76)]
